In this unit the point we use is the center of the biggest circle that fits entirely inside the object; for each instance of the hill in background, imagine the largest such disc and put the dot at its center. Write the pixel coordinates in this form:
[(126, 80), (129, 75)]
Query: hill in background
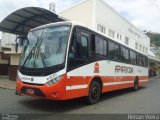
[(155, 38)]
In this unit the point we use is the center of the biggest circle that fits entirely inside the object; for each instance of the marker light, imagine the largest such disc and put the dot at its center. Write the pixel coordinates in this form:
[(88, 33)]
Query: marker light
[(55, 80)]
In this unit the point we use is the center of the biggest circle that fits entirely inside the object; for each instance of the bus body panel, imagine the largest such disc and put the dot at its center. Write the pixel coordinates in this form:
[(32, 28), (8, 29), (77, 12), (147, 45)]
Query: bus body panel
[(76, 82)]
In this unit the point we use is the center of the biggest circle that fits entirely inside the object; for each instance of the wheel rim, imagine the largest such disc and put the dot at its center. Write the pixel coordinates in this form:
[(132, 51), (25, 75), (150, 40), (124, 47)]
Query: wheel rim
[(94, 93), (136, 85)]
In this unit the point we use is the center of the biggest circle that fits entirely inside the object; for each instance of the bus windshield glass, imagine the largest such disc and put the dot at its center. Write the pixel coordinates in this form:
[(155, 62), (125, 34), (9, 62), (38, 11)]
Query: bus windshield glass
[(45, 47)]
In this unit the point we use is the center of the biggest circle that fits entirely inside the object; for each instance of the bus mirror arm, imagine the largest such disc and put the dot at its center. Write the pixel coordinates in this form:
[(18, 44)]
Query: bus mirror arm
[(16, 45)]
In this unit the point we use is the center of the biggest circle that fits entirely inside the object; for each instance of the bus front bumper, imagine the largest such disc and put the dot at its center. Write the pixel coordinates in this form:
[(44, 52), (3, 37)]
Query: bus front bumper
[(54, 92)]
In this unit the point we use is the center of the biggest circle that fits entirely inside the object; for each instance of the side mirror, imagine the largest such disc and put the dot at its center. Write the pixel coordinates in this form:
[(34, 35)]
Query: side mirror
[(16, 47), (20, 39)]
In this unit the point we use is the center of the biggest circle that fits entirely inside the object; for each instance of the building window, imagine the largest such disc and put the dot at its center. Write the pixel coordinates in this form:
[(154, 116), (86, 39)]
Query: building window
[(111, 33), (136, 45), (126, 40), (143, 49), (101, 28), (140, 47), (120, 37)]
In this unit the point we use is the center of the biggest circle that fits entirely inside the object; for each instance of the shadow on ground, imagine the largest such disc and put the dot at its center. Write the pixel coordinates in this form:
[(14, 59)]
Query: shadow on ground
[(50, 106)]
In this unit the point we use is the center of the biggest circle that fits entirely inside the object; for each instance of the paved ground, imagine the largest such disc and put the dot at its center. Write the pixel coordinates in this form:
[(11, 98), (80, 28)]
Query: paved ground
[(6, 83), (146, 100)]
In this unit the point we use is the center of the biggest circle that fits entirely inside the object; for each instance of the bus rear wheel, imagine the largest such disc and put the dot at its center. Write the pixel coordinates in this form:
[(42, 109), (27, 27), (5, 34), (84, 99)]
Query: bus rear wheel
[(136, 84), (94, 92)]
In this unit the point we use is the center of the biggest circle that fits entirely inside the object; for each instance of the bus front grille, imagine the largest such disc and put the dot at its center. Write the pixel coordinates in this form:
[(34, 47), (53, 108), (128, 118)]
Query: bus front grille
[(37, 91), (33, 84)]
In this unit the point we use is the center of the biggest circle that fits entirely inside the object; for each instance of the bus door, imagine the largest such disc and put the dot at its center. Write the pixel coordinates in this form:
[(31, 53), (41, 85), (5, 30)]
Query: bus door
[(77, 59), (79, 50)]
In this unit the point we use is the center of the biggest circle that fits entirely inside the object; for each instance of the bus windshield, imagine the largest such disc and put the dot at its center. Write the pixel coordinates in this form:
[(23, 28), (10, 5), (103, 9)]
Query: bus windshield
[(45, 47)]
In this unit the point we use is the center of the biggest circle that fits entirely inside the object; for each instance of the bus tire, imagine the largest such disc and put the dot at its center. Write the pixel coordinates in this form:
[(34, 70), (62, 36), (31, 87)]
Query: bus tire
[(94, 92), (136, 84)]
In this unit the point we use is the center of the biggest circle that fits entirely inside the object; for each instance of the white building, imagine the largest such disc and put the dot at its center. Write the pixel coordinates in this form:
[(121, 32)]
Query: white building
[(98, 15)]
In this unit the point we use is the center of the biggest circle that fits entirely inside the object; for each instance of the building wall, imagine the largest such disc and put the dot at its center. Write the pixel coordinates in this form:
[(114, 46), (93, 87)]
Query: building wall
[(112, 20), (93, 12), (4, 65), (14, 59), (3, 61), (81, 12), (7, 39)]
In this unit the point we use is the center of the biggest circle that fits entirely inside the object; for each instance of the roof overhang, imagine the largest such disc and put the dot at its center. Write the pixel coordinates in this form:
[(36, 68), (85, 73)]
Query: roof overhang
[(153, 59), (22, 20)]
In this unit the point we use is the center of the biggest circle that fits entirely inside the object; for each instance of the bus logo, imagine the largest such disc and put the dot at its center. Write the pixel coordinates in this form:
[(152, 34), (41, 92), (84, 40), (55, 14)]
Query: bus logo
[(32, 79), (96, 67)]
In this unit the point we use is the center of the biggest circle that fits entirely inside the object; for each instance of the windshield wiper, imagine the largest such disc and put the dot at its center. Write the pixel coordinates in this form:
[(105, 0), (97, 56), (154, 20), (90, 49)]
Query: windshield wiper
[(33, 49), (30, 54), (39, 52)]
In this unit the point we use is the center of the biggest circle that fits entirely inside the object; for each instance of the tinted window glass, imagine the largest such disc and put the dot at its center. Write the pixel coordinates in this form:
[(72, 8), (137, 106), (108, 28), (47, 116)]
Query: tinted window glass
[(139, 59), (113, 50), (117, 52), (146, 62), (143, 61), (124, 54), (82, 47), (99, 46), (132, 57)]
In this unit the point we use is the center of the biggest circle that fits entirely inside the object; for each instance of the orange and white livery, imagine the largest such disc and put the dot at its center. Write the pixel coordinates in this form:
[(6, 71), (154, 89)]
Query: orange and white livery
[(66, 60)]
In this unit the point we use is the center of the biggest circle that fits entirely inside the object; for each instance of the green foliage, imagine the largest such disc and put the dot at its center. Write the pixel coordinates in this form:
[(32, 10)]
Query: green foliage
[(155, 38)]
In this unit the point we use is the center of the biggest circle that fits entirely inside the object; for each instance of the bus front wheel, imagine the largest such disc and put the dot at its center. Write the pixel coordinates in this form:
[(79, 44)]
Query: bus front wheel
[(94, 92)]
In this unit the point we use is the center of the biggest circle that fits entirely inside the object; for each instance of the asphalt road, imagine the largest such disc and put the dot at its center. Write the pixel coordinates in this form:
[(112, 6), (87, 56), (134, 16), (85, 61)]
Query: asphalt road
[(145, 100)]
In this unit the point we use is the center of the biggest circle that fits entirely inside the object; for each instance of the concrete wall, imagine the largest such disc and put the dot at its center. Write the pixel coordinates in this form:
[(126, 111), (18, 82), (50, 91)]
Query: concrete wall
[(3, 61), (82, 12), (7, 39), (14, 59)]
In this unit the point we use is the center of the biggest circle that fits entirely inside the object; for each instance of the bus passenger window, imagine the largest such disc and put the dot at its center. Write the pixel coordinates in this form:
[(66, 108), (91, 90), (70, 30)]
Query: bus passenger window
[(82, 47), (132, 57), (113, 51), (124, 54)]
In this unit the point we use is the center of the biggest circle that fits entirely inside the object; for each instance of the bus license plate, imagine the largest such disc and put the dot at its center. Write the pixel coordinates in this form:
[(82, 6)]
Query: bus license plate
[(30, 91)]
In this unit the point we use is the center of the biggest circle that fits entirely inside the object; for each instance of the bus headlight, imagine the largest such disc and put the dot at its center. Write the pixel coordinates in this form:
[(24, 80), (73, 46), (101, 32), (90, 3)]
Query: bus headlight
[(18, 78), (55, 80)]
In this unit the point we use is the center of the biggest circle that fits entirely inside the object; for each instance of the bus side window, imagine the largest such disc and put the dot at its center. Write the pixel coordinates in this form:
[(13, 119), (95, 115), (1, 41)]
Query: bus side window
[(78, 53), (132, 57), (124, 54), (82, 47), (113, 50), (139, 60)]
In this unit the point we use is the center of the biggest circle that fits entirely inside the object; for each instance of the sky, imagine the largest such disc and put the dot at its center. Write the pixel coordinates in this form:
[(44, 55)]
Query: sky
[(144, 14)]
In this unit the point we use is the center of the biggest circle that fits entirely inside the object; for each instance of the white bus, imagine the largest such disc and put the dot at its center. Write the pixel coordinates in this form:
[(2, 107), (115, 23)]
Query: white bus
[(66, 60)]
